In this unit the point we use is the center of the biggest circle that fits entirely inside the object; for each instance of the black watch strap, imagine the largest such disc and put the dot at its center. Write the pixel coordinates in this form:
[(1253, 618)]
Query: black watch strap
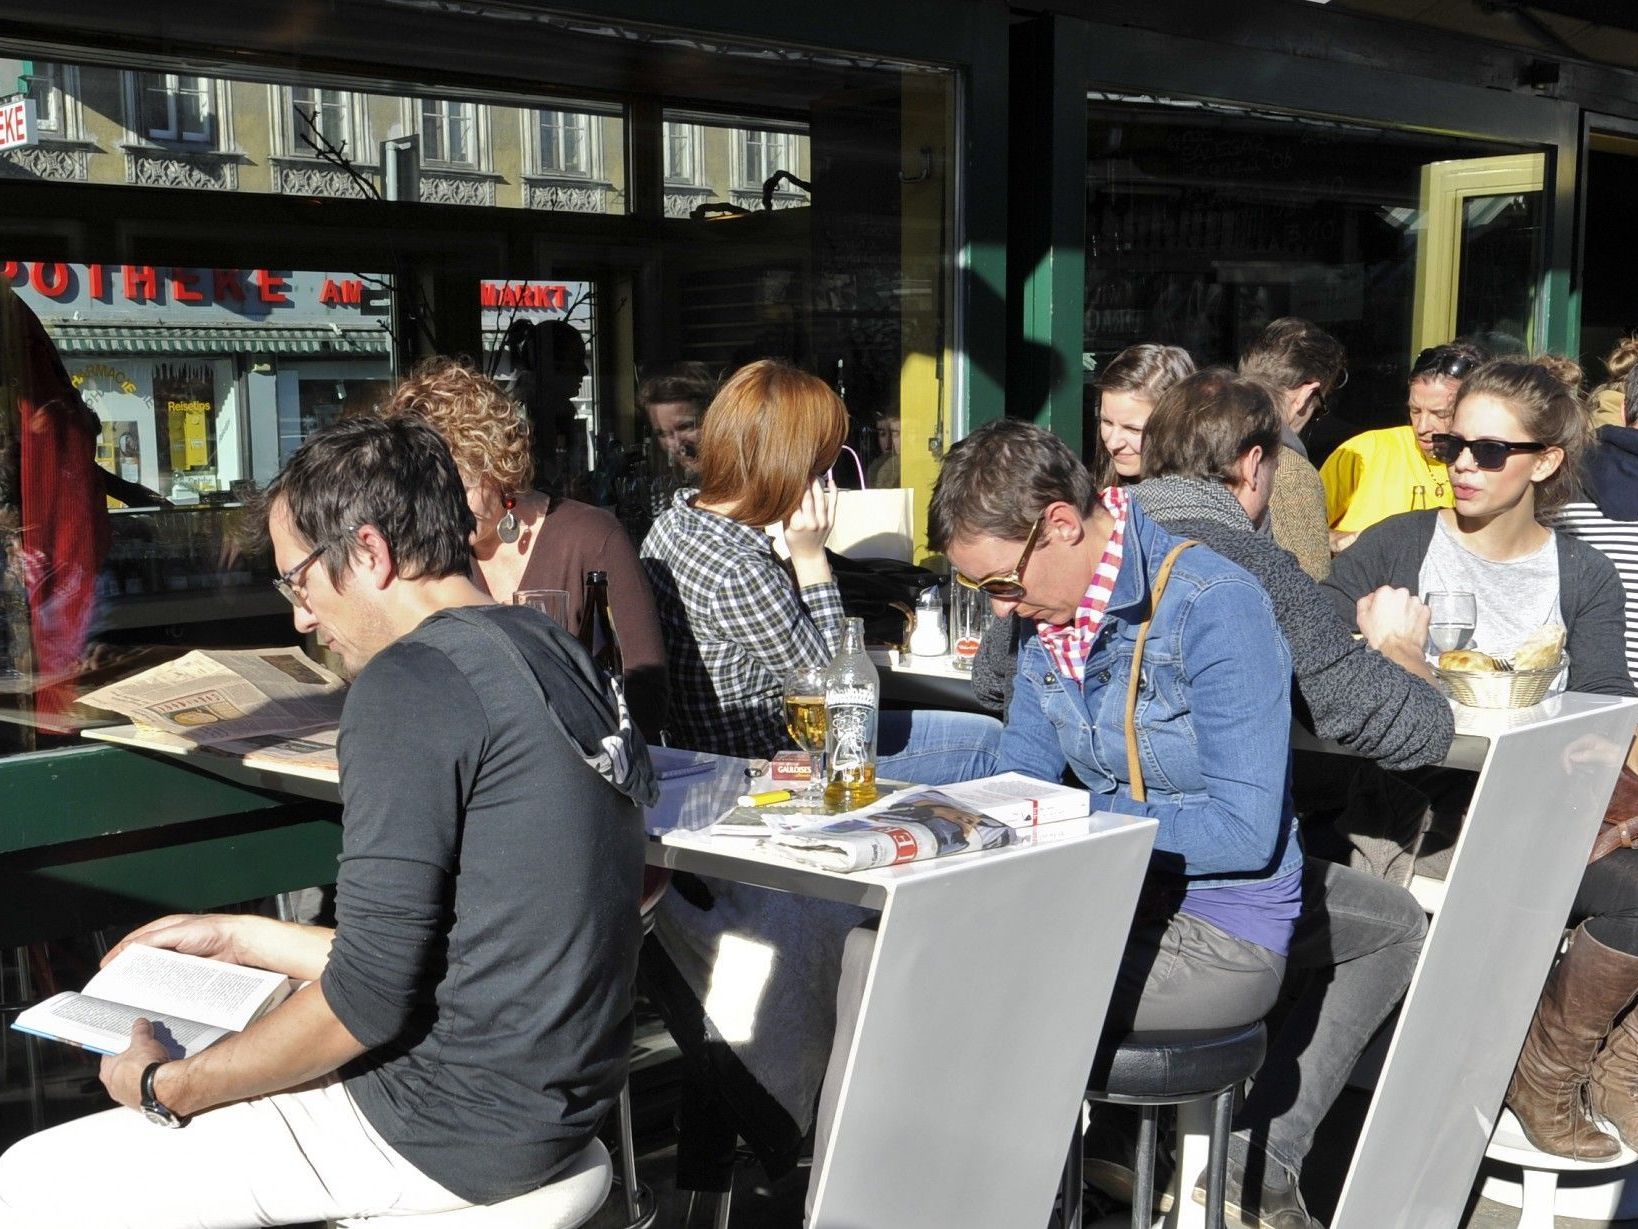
[(153, 1109)]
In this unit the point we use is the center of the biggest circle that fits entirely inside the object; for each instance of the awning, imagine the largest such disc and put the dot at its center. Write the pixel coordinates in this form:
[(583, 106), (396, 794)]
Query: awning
[(331, 342)]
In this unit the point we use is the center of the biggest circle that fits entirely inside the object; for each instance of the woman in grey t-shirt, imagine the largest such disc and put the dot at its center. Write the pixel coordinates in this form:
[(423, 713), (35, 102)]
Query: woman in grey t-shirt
[(1514, 449)]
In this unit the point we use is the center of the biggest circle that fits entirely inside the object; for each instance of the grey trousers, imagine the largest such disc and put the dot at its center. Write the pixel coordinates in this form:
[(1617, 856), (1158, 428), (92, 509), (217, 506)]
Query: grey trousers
[(1360, 936), (1180, 973)]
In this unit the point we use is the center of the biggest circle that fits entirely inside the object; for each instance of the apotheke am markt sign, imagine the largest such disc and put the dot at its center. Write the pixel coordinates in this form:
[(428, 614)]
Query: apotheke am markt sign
[(17, 123)]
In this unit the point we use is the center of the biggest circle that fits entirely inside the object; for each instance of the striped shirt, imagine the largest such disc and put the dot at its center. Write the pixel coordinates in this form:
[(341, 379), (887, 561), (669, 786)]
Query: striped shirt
[(735, 624), (1071, 644), (1617, 541)]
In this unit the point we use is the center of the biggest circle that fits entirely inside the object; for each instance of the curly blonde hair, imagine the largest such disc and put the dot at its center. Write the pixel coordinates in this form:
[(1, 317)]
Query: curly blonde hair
[(487, 433)]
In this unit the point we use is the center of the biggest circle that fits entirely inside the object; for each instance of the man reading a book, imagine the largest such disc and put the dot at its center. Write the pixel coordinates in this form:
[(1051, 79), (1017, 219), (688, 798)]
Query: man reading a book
[(465, 1027)]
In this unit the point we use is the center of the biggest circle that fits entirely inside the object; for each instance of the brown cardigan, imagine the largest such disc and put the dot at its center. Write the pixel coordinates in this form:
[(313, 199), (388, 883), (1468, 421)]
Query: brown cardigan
[(576, 538)]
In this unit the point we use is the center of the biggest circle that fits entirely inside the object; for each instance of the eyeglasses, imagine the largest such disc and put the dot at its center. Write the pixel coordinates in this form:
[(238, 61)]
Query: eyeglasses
[(1487, 454), (1441, 361), (289, 584), (1008, 586)]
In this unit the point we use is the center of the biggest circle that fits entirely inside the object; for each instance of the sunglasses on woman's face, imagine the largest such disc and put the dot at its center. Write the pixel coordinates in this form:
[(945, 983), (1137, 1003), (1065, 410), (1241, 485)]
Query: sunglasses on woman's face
[(1006, 586), (1487, 454)]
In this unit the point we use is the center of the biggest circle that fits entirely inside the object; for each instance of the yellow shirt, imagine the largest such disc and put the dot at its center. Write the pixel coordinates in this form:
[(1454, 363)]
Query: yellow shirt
[(1378, 474)]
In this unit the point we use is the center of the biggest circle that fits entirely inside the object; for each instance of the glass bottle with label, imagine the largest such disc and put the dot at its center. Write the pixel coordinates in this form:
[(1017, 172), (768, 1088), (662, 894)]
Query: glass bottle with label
[(853, 696)]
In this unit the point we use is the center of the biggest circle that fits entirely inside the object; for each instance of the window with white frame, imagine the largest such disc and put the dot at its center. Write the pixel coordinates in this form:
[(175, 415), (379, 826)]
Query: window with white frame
[(449, 132), (320, 118), (565, 143), (45, 86), (176, 107), (761, 153), (682, 152)]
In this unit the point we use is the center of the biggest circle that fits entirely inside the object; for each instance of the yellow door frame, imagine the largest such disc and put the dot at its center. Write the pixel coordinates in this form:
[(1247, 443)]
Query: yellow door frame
[(1446, 188)]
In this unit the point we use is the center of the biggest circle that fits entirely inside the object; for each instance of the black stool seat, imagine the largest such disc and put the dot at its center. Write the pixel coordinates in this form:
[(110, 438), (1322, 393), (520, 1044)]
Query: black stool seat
[(1176, 1065)]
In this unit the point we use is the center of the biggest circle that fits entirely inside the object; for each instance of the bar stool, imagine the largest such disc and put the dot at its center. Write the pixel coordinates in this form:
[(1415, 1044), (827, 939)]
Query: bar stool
[(641, 1206), (566, 1202), (1196, 1070)]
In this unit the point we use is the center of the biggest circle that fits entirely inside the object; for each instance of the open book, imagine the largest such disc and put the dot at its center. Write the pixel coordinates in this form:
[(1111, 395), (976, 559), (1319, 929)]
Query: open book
[(191, 1002), (216, 696)]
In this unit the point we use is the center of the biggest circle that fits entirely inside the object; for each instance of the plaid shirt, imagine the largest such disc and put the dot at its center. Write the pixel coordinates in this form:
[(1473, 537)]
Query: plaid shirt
[(735, 625), (1070, 645)]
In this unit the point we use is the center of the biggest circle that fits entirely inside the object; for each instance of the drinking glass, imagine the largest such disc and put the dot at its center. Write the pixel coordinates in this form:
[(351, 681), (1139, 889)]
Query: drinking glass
[(970, 614), (554, 603), (1454, 614), (805, 719)]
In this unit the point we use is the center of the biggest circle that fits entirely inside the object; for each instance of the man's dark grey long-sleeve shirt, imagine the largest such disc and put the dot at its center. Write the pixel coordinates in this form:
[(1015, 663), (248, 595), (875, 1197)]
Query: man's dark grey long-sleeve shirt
[(486, 909)]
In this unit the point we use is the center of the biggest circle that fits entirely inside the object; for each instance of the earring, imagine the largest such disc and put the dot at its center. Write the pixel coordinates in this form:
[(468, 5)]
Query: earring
[(509, 527)]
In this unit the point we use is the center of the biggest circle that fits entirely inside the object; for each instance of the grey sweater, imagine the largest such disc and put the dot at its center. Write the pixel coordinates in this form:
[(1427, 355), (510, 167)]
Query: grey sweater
[(1590, 598), (1345, 690)]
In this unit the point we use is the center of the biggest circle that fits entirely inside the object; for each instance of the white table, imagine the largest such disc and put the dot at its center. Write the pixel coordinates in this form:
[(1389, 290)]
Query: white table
[(982, 1009), (1512, 877), (984, 1001)]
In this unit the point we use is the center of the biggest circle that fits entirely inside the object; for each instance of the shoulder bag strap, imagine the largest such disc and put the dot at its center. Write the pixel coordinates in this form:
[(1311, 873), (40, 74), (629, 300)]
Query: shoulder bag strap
[(1134, 763)]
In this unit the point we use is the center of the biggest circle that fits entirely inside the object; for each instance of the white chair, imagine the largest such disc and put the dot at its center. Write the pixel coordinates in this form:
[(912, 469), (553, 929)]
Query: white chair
[(1588, 1190), (568, 1201)]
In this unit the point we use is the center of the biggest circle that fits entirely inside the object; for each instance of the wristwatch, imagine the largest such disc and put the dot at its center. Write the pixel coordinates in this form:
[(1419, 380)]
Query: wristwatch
[(153, 1109)]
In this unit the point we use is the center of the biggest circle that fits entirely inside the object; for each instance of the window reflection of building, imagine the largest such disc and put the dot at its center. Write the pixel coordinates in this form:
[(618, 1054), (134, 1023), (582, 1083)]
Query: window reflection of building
[(448, 132), (565, 143), (321, 116), (175, 107)]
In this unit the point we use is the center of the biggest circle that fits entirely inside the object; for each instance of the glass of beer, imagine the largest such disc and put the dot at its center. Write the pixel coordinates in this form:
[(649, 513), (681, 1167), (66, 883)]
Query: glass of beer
[(553, 603), (805, 720)]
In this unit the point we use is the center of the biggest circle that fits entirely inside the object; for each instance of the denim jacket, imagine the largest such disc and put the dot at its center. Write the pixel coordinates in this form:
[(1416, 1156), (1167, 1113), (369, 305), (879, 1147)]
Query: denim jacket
[(1213, 715)]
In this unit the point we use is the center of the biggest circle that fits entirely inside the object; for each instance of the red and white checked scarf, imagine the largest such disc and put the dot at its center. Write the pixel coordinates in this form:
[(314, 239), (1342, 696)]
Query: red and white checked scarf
[(1070, 645)]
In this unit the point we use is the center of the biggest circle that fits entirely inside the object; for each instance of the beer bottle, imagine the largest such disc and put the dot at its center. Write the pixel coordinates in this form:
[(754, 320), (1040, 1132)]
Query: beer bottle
[(597, 627), (853, 695)]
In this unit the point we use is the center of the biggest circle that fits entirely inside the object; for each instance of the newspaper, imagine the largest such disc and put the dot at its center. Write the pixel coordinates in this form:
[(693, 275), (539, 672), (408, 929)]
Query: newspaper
[(216, 696), (311, 754), (922, 824)]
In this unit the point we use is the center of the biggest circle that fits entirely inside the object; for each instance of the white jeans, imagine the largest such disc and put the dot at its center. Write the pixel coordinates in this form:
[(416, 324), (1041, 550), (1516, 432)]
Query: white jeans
[(292, 1157)]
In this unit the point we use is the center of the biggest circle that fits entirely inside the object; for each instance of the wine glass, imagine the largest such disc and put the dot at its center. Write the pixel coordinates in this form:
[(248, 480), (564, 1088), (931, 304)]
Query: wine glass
[(554, 603), (1454, 614), (805, 719)]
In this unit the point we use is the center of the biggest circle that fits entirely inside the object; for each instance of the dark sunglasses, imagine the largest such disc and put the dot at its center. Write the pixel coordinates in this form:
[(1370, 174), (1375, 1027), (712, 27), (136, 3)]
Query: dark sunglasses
[(1487, 454), (1008, 586), (1438, 361)]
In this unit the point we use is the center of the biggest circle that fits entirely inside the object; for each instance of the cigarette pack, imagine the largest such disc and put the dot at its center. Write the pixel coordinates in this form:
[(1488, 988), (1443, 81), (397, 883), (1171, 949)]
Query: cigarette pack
[(790, 766)]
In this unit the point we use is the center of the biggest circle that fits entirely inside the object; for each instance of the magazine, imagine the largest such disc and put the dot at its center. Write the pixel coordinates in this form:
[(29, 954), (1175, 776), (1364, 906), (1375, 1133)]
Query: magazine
[(912, 826), (217, 696)]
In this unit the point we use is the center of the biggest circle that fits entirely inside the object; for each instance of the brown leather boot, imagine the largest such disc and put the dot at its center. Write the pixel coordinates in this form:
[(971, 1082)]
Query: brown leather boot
[(1613, 1090), (1589, 987)]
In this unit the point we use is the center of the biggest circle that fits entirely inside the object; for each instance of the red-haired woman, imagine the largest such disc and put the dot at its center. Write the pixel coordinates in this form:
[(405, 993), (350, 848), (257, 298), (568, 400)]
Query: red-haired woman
[(735, 622)]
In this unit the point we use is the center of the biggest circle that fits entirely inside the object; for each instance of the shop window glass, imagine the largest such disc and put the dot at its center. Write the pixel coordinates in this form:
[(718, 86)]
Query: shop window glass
[(730, 158), (1205, 222), (155, 397), (204, 380)]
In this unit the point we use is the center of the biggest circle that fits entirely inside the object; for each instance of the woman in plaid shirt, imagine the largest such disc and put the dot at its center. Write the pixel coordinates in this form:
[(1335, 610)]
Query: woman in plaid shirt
[(735, 623)]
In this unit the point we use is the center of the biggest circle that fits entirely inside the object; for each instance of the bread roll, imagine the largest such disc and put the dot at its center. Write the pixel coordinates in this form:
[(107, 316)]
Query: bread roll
[(1468, 659), (1540, 650)]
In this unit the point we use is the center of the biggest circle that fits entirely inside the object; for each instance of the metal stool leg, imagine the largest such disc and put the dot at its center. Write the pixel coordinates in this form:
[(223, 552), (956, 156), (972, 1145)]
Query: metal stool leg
[(641, 1207), (1222, 1122), (1143, 1175)]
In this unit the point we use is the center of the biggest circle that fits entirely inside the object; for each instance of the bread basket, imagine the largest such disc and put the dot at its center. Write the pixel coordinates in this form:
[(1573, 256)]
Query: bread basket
[(1499, 688)]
